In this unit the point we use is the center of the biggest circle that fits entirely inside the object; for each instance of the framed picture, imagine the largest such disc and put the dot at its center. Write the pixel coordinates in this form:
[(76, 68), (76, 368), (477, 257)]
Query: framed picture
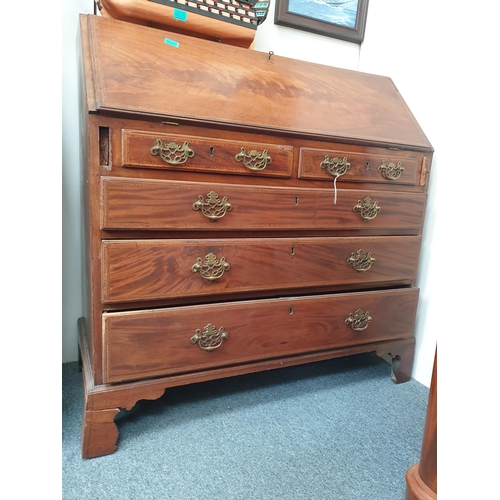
[(343, 19)]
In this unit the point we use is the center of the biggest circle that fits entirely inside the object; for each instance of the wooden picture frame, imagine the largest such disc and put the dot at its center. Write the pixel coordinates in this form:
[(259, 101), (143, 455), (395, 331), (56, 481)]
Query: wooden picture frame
[(345, 19)]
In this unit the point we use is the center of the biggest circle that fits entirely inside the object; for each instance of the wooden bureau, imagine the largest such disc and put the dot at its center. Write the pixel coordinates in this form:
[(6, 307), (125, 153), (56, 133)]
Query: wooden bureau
[(243, 212)]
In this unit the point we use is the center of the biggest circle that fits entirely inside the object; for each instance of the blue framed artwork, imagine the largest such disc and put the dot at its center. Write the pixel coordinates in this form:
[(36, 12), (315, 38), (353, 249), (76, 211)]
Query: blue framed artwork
[(343, 19)]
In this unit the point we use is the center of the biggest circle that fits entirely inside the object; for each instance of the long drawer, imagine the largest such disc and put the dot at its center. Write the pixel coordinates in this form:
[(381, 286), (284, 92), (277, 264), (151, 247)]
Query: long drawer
[(183, 339), (135, 270), (175, 205)]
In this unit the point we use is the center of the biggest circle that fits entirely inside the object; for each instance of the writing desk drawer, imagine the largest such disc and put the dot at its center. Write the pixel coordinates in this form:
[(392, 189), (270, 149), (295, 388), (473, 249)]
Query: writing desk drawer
[(205, 154), (379, 166)]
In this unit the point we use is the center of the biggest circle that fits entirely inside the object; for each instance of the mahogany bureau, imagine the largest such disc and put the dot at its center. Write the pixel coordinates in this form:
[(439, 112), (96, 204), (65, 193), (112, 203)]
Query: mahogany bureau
[(243, 212)]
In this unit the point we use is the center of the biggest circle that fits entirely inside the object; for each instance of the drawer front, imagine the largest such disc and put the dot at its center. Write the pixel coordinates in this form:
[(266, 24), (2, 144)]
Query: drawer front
[(390, 167), (174, 205), (167, 341), (166, 269), (200, 154)]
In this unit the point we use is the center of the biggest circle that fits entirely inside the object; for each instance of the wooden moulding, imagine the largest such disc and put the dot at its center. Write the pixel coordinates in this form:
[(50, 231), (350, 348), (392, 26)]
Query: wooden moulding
[(416, 488)]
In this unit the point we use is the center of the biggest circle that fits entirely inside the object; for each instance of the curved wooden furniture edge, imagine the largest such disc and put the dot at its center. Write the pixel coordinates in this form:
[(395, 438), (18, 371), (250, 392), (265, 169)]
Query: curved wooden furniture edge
[(99, 433), (402, 354), (416, 488)]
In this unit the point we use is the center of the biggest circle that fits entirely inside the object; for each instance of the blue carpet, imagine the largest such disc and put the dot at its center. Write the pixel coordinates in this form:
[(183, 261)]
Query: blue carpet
[(332, 430)]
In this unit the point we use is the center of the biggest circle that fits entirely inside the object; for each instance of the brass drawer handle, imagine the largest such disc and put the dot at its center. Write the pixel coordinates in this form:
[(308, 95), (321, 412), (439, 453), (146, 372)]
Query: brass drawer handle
[(172, 153), (359, 321), (211, 269), (210, 338), (335, 166), (391, 171), (367, 209), (361, 261), (212, 207), (254, 160)]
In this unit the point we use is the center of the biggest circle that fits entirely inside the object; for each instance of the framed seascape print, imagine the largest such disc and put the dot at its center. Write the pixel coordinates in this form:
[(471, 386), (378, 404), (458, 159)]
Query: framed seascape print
[(343, 19)]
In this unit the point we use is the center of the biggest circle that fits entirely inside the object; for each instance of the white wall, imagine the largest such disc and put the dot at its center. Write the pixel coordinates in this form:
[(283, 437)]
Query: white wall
[(71, 198), (444, 59), (400, 42)]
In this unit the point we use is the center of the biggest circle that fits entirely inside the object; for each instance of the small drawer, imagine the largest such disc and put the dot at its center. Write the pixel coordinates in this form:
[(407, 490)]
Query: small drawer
[(384, 166), (141, 270), (204, 154), (177, 205), (153, 343)]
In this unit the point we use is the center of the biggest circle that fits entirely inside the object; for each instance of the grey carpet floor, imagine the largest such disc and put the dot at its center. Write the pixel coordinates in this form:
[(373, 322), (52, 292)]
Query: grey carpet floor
[(332, 430)]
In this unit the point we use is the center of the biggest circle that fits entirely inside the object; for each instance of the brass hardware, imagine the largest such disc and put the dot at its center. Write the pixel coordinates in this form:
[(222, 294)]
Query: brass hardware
[(391, 171), (210, 338), (424, 171), (211, 151), (293, 251), (359, 321), (212, 207), (211, 269), (335, 166), (254, 160), (361, 261), (296, 200), (172, 153), (367, 166), (367, 209)]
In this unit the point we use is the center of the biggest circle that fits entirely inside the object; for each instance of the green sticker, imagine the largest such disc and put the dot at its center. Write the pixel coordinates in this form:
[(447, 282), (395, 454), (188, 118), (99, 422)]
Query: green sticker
[(181, 15), (172, 43)]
